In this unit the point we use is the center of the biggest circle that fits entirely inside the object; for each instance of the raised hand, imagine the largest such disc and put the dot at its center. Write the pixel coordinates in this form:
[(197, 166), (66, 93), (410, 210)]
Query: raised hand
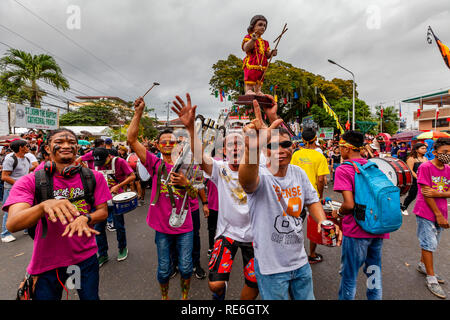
[(139, 105), (259, 127), (185, 112)]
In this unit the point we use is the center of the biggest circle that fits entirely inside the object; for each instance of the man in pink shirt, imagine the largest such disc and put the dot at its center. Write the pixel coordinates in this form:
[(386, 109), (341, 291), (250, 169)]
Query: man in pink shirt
[(165, 200), (358, 246), (69, 238), (431, 209)]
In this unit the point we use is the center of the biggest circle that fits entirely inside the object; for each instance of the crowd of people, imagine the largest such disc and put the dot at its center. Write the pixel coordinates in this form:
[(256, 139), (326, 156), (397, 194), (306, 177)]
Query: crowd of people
[(60, 194)]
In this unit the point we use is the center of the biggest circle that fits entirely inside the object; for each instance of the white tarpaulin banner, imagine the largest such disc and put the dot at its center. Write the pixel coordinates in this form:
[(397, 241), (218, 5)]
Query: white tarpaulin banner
[(27, 117)]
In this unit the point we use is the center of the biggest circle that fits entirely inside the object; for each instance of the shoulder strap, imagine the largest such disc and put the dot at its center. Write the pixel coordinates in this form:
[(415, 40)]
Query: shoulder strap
[(158, 182), (15, 162), (354, 164), (43, 191), (89, 183)]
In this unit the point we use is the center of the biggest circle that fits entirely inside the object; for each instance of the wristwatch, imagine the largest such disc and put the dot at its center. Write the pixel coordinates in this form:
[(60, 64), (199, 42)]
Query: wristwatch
[(206, 202), (87, 215)]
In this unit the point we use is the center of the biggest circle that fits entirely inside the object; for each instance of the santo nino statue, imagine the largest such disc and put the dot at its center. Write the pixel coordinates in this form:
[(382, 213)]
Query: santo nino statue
[(258, 53)]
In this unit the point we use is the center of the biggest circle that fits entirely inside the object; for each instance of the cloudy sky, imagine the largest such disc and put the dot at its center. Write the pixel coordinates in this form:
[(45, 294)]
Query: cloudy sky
[(119, 48)]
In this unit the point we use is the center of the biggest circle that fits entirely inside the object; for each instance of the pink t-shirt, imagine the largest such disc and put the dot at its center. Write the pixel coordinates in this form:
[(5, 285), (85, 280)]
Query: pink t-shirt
[(213, 197), (55, 251), (159, 214), (345, 181), (437, 179), (123, 170), (194, 204), (89, 159)]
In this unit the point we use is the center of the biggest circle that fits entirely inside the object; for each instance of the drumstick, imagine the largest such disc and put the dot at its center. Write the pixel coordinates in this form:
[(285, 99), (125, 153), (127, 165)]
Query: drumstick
[(154, 84)]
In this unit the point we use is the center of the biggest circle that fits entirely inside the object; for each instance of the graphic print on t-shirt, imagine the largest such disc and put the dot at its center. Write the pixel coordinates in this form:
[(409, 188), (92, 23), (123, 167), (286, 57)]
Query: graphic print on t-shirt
[(287, 224), (70, 194), (440, 183)]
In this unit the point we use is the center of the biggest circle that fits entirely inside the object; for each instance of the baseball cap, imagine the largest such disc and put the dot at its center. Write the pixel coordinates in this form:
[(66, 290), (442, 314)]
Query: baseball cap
[(108, 141), (100, 155)]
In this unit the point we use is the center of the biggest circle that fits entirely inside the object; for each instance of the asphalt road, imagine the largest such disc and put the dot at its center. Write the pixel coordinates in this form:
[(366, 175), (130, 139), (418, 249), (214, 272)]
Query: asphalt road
[(135, 278)]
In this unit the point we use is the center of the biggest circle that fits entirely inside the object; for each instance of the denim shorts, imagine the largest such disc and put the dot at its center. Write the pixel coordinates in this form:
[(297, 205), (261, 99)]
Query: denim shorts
[(295, 285), (429, 234)]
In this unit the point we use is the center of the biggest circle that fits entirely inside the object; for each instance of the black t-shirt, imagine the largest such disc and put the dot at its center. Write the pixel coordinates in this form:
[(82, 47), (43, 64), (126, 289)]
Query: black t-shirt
[(336, 158), (113, 152)]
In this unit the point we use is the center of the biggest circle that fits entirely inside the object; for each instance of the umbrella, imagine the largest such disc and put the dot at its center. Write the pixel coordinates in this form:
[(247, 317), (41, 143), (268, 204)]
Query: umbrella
[(432, 135), (84, 143), (406, 135)]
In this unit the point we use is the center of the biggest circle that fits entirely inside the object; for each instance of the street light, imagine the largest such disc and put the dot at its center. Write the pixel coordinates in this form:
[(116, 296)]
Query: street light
[(353, 120)]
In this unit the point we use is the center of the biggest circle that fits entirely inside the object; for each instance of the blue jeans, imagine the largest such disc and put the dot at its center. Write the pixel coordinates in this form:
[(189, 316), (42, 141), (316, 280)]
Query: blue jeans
[(184, 244), (48, 287), (296, 284), (5, 231), (355, 253), (102, 240), (196, 238)]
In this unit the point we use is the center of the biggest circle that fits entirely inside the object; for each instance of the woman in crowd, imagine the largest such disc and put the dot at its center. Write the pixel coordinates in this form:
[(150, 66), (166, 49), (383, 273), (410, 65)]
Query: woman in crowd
[(415, 159)]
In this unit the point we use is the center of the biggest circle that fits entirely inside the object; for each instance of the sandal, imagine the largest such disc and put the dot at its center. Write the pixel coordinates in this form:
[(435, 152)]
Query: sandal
[(318, 258)]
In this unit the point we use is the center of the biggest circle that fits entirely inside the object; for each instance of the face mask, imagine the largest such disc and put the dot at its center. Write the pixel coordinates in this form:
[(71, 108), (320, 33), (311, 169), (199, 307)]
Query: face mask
[(443, 157)]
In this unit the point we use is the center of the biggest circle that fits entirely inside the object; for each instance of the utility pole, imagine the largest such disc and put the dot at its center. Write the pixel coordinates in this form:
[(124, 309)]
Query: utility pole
[(168, 110)]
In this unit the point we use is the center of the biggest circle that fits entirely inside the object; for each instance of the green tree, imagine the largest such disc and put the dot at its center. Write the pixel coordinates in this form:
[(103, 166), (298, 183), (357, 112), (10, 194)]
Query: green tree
[(14, 91), (24, 69), (112, 114), (299, 87), (390, 119), (343, 108)]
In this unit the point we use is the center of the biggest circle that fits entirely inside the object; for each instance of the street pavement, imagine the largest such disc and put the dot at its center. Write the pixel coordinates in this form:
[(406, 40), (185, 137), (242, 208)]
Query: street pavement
[(135, 278)]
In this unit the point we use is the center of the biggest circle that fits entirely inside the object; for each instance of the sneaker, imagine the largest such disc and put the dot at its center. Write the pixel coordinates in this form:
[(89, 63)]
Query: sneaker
[(8, 238), (102, 260), (199, 272), (436, 289), (405, 212), (210, 253), (110, 226), (123, 254), (25, 231), (421, 269), (215, 296), (174, 273)]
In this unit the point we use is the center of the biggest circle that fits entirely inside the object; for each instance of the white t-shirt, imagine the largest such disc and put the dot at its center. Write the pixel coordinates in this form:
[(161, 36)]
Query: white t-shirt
[(275, 207), (233, 220)]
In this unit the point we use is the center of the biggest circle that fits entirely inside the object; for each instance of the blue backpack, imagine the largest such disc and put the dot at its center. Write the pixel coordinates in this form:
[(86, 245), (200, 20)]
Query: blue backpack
[(377, 200)]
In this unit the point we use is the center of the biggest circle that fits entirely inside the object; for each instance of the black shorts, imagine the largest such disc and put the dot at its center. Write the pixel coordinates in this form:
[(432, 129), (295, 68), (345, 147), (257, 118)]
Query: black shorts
[(222, 258)]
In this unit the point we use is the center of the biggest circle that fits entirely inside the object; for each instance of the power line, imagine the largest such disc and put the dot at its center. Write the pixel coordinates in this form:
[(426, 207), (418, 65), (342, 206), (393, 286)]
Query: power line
[(73, 41), (62, 59)]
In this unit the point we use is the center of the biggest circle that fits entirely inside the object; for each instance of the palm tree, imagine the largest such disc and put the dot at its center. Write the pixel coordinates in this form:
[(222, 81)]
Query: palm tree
[(21, 67)]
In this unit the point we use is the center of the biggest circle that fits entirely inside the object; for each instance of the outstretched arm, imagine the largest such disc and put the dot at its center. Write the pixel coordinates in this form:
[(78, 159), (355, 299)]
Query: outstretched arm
[(133, 130), (186, 113)]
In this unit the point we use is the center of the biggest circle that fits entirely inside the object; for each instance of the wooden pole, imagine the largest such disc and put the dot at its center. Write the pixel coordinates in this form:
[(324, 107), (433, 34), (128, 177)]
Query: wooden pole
[(277, 40)]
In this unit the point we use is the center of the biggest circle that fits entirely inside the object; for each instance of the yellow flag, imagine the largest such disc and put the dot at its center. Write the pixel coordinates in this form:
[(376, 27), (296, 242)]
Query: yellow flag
[(330, 112)]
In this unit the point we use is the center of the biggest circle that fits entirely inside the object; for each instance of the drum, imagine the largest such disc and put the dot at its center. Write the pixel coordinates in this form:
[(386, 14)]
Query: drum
[(125, 202), (397, 171)]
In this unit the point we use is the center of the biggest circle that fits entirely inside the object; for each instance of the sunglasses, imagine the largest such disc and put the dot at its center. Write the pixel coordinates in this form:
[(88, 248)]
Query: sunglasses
[(284, 144), (168, 143)]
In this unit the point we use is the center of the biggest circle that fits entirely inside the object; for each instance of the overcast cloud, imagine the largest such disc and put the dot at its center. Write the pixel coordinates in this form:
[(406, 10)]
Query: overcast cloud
[(176, 43)]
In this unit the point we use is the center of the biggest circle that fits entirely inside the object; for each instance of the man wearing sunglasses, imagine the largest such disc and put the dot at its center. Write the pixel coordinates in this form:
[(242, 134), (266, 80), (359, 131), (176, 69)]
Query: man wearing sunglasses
[(164, 200), (277, 192)]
